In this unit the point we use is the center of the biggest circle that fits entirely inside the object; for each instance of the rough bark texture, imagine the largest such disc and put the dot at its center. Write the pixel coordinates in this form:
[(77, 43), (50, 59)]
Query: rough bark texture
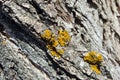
[(94, 25)]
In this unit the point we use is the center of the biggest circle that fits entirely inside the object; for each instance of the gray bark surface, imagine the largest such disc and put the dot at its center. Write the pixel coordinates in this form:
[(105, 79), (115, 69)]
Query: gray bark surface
[(94, 25)]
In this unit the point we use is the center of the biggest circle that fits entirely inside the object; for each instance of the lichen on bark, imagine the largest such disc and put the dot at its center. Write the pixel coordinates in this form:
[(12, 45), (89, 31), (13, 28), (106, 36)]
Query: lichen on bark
[(93, 25)]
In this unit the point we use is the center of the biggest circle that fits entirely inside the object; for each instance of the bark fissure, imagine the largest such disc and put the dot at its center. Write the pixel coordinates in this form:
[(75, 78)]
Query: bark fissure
[(92, 25)]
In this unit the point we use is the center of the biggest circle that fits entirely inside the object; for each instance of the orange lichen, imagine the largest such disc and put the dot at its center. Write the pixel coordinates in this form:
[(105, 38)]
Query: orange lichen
[(60, 51), (63, 37), (53, 41), (55, 54), (94, 59), (46, 34), (49, 47), (95, 68)]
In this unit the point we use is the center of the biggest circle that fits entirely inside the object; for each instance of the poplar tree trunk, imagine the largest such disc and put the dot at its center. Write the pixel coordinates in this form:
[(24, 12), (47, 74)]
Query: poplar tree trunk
[(94, 25)]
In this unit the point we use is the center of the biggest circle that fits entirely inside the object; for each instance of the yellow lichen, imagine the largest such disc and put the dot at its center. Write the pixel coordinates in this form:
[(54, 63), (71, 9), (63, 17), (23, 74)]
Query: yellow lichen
[(49, 47), (55, 54), (46, 34), (53, 41), (61, 51), (61, 41), (95, 68), (63, 37), (94, 59)]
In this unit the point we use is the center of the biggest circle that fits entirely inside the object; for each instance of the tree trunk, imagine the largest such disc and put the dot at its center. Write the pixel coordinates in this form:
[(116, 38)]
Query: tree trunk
[(94, 25)]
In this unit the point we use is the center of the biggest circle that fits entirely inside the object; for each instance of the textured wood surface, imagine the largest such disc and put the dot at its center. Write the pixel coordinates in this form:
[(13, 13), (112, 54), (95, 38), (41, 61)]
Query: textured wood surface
[(94, 25)]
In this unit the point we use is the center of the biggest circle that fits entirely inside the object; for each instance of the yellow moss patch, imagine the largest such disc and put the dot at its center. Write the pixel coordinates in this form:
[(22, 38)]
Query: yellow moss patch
[(94, 59)]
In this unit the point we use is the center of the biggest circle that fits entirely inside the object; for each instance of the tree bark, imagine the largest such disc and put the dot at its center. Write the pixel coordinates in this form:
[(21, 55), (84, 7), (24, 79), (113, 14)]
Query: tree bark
[(94, 25)]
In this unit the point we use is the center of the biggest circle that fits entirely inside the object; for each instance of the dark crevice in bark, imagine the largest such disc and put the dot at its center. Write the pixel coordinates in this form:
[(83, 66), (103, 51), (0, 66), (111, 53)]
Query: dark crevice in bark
[(71, 62), (26, 9), (113, 62), (69, 9), (19, 30), (1, 66), (117, 4), (92, 4), (103, 20), (118, 61), (1, 28), (117, 36), (9, 10), (90, 76), (75, 2), (79, 22), (40, 68), (107, 73), (83, 37), (55, 65), (45, 18), (104, 38), (38, 9)]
